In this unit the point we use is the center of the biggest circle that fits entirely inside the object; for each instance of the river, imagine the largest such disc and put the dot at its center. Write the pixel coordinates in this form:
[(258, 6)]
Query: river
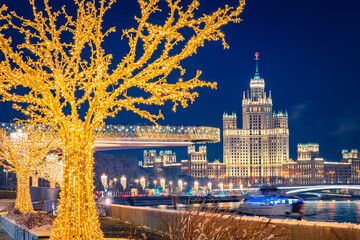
[(325, 211)]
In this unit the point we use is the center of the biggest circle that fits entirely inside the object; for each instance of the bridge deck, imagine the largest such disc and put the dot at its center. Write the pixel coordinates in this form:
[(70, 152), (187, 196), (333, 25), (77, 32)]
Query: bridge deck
[(113, 137)]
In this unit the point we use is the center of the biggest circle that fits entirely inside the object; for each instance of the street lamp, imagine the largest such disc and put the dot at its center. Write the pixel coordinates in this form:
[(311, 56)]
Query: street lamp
[(115, 180), (209, 186), (221, 185), (6, 179), (155, 182), (104, 181), (142, 183), (170, 184), (162, 183), (231, 186), (196, 186), (123, 182), (180, 184)]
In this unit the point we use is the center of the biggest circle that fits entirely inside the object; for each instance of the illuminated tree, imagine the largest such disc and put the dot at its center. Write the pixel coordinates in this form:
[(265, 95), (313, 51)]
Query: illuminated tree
[(72, 85), (51, 170), (24, 153)]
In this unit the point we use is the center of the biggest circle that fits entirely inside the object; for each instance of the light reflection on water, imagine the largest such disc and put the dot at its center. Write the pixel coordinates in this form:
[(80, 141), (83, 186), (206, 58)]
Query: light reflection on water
[(326, 211)]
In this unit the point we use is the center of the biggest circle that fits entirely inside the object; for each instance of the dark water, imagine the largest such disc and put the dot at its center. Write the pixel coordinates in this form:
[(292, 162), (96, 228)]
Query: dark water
[(325, 211)]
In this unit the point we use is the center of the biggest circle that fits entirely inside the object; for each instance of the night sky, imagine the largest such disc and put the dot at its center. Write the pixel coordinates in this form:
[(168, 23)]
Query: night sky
[(308, 58)]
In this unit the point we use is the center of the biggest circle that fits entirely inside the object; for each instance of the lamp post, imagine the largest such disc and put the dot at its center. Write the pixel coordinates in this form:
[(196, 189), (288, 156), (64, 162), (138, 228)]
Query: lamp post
[(170, 186), (196, 186), (180, 184), (142, 183), (162, 183), (221, 185), (115, 179), (123, 182), (155, 182), (6, 179), (231, 185), (209, 186), (104, 181)]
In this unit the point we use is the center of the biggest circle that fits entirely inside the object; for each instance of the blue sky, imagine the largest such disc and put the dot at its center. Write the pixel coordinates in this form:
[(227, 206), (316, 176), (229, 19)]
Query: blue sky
[(308, 58)]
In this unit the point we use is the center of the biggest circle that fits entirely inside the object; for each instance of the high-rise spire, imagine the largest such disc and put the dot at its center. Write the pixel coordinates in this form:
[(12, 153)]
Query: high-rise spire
[(257, 75)]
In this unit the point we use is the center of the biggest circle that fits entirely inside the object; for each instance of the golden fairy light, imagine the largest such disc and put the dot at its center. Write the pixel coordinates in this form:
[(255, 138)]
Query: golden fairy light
[(51, 170), (74, 92), (24, 153)]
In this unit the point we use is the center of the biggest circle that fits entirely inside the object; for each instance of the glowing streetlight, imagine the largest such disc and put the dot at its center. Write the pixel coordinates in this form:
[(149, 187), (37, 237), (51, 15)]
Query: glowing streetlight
[(180, 184), (170, 184), (231, 186), (209, 186), (162, 183), (221, 185), (142, 183), (104, 180), (196, 185), (155, 182), (123, 182)]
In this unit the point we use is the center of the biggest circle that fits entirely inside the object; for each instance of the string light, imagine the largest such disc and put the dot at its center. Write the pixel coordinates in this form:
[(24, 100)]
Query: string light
[(62, 85), (23, 153)]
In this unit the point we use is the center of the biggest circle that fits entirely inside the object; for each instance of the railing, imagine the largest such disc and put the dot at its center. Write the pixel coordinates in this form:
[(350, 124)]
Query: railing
[(193, 133)]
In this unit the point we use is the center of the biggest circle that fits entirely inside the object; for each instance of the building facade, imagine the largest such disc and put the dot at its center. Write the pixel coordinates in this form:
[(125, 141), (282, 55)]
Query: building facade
[(353, 158), (310, 169), (256, 152), (198, 166), (159, 161)]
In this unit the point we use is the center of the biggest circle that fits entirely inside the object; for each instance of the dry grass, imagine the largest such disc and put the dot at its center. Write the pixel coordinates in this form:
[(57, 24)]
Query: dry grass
[(212, 222)]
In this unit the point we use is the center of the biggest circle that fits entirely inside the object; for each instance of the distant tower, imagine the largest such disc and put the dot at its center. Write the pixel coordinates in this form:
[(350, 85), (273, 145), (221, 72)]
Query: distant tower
[(255, 153), (229, 121)]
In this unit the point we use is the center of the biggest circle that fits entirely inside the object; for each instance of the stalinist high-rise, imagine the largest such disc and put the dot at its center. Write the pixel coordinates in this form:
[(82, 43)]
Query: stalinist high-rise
[(255, 153)]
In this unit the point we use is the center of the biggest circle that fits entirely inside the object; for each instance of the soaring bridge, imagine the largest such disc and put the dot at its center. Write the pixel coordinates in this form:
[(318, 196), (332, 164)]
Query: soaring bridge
[(114, 137)]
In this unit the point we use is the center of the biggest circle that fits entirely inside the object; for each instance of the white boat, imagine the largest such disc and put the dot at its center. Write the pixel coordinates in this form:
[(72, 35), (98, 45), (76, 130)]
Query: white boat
[(272, 206)]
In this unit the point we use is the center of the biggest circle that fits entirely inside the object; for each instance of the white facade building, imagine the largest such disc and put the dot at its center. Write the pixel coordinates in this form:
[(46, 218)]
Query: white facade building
[(255, 153)]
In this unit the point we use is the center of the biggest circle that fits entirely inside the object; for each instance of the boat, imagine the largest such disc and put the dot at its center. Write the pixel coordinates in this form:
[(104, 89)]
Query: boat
[(272, 206), (272, 203)]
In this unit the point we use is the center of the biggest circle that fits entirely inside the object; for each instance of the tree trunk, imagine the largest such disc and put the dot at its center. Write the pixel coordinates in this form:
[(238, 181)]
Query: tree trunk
[(77, 217), (23, 198)]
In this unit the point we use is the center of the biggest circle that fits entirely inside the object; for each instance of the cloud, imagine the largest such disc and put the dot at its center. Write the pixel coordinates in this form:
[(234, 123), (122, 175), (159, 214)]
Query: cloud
[(297, 110)]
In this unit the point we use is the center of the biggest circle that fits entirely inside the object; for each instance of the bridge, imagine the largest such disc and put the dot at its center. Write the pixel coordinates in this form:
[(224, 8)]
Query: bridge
[(292, 189), (299, 189), (116, 137)]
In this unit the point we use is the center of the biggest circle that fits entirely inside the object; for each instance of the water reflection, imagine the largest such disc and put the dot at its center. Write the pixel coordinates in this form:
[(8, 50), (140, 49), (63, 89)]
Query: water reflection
[(326, 211)]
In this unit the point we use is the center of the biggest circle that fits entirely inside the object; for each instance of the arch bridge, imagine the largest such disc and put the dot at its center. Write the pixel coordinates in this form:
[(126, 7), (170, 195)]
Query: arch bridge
[(299, 189), (117, 137)]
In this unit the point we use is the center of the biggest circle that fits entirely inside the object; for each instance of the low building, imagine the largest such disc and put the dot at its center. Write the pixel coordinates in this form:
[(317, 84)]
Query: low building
[(353, 157), (337, 172), (216, 170), (159, 161), (198, 166)]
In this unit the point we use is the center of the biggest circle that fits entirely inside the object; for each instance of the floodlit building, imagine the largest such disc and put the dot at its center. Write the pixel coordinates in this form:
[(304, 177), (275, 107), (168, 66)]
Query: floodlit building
[(310, 169), (353, 158), (256, 152), (159, 161), (198, 166), (216, 170)]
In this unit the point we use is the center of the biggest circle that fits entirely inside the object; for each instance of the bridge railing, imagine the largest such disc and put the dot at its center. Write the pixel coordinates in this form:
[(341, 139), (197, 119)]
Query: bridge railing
[(193, 133)]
